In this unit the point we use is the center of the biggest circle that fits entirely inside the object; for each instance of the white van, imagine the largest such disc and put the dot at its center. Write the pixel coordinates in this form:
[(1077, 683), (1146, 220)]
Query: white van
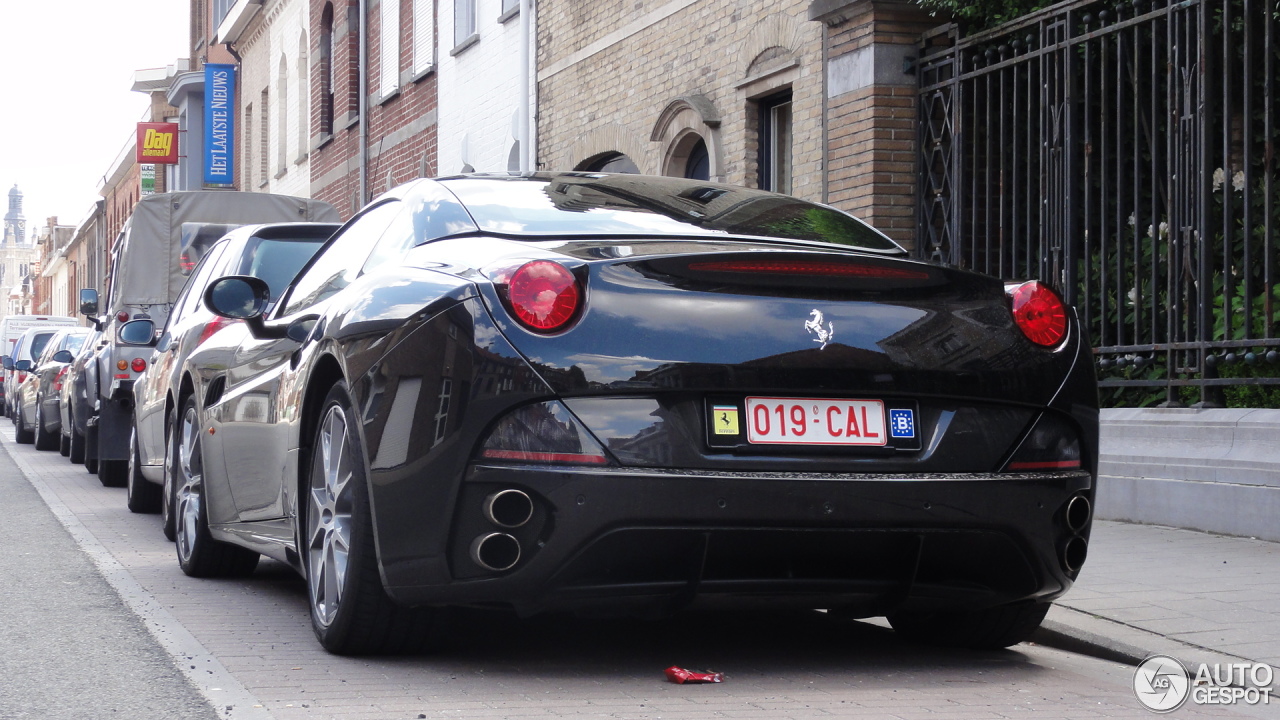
[(11, 328)]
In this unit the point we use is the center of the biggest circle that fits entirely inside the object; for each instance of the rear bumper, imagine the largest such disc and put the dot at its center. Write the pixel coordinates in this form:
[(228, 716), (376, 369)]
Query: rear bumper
[(638, 540)]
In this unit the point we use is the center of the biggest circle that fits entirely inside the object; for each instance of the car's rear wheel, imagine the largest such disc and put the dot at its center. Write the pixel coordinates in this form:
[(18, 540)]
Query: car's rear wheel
[(21, 434), (144, 495), (64, 445), (989, 629), (168, 514), (76, 450), (351, 612), (45, 440), (199, 554), (113, 473)]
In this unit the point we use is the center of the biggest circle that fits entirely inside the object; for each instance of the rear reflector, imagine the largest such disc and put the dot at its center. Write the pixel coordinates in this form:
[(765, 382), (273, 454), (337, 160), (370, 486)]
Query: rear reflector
[(494, 454), (543, 432), (810, 267), (1052, 444), (1045, 465)]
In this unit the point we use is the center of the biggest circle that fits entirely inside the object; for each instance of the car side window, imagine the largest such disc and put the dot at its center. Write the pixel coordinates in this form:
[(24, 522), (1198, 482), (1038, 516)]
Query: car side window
[(340, 263), (189, 299)]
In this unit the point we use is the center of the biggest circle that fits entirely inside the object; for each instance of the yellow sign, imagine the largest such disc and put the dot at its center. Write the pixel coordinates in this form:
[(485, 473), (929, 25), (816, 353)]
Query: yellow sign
[(725, 419)]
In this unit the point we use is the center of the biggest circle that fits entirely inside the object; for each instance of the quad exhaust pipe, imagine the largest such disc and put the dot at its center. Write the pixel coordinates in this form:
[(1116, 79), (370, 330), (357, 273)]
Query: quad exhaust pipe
[(508, 508), (1074, 552), (495, 551), (1077, 513)]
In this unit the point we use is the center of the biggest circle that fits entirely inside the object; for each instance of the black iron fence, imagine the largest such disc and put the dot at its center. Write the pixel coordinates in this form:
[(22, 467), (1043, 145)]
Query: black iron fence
[(1124, 152)]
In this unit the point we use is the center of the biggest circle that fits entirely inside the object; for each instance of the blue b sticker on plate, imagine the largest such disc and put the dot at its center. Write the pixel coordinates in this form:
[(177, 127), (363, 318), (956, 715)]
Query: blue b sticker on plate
[(902, 423)]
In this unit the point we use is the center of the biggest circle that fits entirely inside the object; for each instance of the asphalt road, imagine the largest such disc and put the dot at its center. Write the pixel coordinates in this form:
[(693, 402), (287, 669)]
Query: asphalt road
[(98, 622)]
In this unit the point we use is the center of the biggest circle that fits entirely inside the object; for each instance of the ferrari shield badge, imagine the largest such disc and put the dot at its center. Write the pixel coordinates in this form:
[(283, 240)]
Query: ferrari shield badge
[(815, 327)]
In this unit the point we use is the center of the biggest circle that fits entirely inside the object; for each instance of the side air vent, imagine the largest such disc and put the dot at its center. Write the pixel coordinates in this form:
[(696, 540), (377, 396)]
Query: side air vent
[(216, 388)]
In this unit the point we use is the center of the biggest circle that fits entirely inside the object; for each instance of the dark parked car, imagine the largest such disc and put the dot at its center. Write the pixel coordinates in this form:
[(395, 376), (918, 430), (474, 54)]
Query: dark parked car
[(273, 253), (75, 399), (39, 418), (629, 394)]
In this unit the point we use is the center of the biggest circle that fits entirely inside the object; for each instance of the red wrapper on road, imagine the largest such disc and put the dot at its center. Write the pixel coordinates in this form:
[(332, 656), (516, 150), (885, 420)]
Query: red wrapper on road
[(681, 676)]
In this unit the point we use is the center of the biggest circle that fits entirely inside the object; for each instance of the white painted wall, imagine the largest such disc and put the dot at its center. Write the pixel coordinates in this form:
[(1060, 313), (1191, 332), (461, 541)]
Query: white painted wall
[(478, 91), (281, 32)]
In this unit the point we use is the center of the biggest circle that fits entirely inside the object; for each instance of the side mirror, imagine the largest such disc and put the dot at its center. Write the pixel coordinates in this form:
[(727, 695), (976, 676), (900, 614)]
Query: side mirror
[(6, 362), (22, 366), (88, 302), (63, 356), (137, 332), (243, 297), (237, 297)]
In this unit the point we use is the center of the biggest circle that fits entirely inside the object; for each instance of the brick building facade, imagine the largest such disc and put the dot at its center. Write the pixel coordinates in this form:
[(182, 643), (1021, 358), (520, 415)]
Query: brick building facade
[(362, 149)]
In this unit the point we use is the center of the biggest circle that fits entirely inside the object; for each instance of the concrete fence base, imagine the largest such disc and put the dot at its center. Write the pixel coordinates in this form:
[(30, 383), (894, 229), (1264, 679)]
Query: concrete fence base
[(1211, 470)]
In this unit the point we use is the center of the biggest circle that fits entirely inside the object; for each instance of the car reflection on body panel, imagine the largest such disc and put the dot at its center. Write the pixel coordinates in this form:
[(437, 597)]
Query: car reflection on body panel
[(616, 393)]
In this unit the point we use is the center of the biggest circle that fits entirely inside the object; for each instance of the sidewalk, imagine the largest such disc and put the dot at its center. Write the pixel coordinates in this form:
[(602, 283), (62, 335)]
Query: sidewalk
[(1149, 590)]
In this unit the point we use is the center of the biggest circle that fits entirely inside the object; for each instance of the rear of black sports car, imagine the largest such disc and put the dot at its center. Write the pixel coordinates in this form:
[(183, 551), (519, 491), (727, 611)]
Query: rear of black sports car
[(640, 425)]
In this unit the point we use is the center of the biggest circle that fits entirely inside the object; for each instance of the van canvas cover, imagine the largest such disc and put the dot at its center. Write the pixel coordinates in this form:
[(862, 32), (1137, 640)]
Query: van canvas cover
[(149, 271)]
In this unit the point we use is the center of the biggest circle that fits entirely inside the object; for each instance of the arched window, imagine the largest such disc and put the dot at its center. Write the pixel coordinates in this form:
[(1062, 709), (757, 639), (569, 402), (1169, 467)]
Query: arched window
[(326, 70), (610, 162), (304, 91), (698, 165), (282, 115)]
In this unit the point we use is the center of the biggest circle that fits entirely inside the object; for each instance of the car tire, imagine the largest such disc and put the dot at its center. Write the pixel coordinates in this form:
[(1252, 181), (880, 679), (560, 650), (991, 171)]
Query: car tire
[(91, 450), (64, 445), (113, 473), (168, 513), (21, 434), (351, 612), (988, 629), (143, 495), (45, 440), (199, 554), (75, 452)]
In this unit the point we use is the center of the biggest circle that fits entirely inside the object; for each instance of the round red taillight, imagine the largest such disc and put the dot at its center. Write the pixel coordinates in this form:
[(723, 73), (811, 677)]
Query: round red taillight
[(1039, 313), (544, 295), (139, 365), (122, 316)]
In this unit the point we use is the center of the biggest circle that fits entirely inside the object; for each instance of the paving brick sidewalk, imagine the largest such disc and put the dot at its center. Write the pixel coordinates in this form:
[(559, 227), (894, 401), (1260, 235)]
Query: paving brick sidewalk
[(1147, 589)]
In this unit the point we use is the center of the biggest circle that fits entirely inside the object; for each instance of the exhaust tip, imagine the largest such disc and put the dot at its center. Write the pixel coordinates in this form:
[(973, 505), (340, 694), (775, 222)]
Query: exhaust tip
[(1074, 553), (508, 508), (1078, 513), (495, 551)]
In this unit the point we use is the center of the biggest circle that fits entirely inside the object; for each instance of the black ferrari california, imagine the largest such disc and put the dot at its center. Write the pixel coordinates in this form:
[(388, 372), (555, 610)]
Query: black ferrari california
[(628, 394)]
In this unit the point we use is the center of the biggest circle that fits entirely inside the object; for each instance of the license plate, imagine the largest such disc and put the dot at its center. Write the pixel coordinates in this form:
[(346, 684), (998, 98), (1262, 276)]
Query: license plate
[(815, 421)]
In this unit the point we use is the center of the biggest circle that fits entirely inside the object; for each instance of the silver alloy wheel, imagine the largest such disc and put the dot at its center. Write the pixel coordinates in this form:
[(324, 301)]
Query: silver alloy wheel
[(190, 467), (329, 516)]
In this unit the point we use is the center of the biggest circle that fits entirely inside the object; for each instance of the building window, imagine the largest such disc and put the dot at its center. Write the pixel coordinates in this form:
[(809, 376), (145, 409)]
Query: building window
[(304, 89), (775, 143), (389, 76), (698, 166), (510, 6), (264, 143), (464, 21), (326, 70), (424, 36), (248, 146), (282, 116), (613, 162)]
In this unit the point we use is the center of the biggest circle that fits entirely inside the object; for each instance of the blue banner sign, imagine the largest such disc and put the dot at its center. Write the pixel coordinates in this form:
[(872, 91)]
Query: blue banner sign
[(219, 124)]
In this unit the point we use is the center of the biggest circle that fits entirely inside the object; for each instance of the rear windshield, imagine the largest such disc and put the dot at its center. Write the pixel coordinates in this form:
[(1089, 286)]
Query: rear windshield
[(38, 341), (601, 204), (197, 239), (74, 343), (277, 260)]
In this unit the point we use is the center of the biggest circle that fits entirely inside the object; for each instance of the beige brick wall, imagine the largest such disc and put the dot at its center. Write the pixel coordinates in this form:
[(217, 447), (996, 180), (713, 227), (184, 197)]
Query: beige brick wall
[(608, 69)]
